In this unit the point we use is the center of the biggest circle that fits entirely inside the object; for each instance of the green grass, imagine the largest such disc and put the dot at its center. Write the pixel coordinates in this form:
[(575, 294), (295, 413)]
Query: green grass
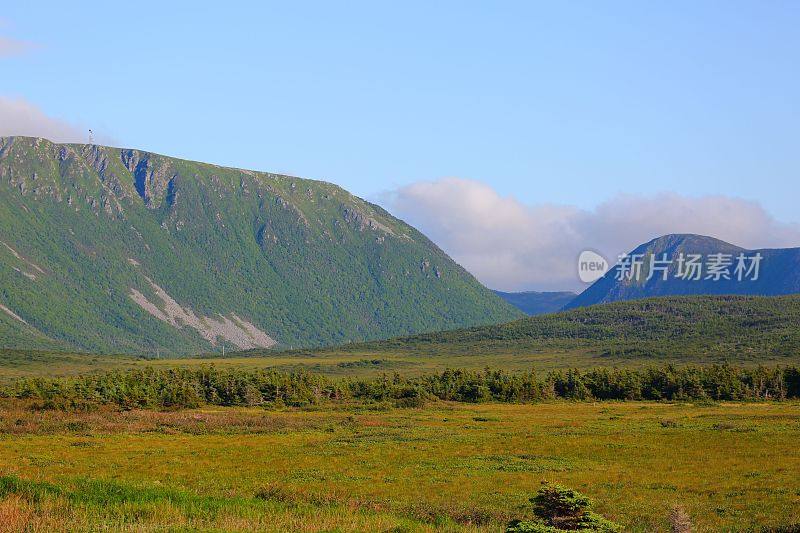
[(18, 364), (88, 504)]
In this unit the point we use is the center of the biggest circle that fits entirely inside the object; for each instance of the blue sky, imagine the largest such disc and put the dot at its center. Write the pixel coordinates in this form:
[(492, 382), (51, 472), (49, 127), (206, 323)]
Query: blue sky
[(567, 103)]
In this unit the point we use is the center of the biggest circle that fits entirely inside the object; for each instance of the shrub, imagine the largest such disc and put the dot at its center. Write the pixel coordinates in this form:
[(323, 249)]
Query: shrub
[(561, 509), (410, 397)]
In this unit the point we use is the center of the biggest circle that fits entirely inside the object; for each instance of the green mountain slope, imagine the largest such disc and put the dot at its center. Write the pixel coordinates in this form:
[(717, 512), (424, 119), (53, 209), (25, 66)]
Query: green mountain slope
[(690, 328), (116, 250)]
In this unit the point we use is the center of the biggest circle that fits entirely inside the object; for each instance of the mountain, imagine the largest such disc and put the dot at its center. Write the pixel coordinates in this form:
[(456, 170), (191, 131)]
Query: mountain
[(776, 272), (125, 251), (537, 303), (701, 329)]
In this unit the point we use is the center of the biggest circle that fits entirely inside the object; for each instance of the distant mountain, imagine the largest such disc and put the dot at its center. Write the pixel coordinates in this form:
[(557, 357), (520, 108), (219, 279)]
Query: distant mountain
[(537, 303), (120, 250), (673, 261)]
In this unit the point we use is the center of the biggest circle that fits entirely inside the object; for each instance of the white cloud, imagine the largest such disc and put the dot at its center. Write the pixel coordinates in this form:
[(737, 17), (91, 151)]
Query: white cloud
[(512, 246), (13, 47), (19, 117)]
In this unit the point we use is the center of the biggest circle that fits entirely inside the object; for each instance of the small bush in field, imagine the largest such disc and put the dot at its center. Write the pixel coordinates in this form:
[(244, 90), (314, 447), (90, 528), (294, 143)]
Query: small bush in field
[(561, 509), (410, 397)]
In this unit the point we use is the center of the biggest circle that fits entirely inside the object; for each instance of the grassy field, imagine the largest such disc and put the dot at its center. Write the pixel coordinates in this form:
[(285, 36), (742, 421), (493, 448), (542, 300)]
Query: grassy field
[(451, 467), (334, 363)]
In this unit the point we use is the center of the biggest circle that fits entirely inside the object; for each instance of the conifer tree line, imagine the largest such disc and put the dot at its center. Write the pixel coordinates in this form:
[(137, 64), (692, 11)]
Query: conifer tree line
[(150, 388)]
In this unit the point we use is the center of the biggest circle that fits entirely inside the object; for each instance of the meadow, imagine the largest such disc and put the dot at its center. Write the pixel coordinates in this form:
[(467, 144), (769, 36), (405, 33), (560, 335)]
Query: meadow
[(336, 362), (445, 467), (384, 436)]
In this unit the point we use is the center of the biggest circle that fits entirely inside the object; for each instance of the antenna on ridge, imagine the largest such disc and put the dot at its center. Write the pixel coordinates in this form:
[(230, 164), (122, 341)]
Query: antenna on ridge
[(91, 137)]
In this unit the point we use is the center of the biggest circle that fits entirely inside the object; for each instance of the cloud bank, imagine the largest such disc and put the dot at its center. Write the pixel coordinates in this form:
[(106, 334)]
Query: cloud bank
[(512, 246), (19, 117)]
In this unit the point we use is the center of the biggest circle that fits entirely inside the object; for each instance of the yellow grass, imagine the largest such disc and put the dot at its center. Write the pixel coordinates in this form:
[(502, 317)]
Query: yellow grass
[(447, 467)]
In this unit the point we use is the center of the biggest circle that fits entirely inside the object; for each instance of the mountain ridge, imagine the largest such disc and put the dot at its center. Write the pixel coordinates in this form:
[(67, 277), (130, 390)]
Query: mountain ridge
[(778, 272)]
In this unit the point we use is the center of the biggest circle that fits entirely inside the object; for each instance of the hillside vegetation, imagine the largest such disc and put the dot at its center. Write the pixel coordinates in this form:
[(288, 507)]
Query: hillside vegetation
[(123, 251), (745, 331), (738, 329)]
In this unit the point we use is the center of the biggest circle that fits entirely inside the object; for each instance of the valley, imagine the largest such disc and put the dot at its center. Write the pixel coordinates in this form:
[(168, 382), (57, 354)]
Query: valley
[(189, 347)]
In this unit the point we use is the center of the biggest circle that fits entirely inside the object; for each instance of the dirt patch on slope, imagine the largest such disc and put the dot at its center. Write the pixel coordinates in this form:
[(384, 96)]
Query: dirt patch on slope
[(233, 329)]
